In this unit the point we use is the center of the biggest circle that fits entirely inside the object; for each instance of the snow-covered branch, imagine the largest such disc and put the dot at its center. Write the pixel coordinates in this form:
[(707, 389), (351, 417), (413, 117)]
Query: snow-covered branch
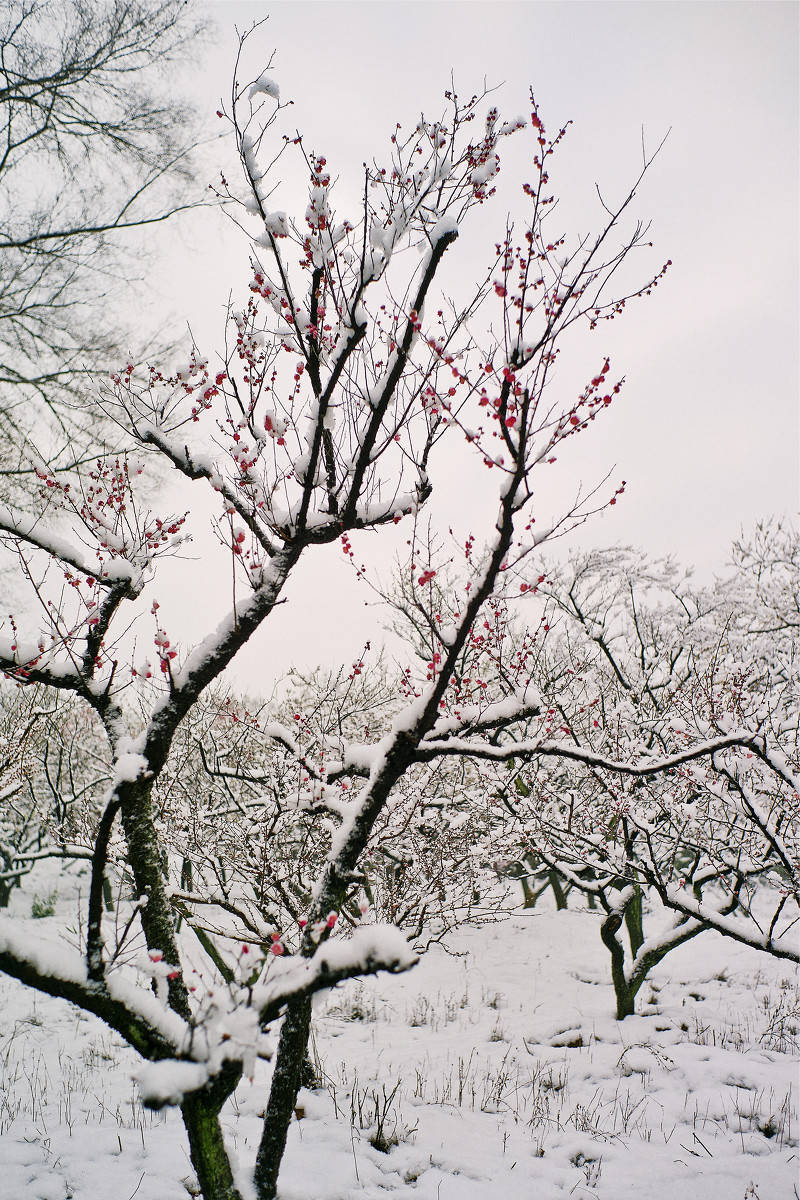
[(677, 898), (527, 749), (369, 950), (132, 1011)]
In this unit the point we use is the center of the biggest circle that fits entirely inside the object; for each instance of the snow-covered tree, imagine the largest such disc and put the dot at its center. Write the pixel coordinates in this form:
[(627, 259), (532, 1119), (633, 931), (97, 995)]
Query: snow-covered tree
[(638, 664), (49, 781), (241, 799), (344, 377)]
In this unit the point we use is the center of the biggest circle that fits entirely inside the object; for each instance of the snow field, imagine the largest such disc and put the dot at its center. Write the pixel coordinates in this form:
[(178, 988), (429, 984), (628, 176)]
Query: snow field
[(494, 1068)]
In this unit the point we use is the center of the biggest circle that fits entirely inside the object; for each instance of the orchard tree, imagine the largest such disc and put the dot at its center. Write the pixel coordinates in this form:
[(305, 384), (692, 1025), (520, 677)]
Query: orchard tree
[(242, 801), (637, 664), (92, 148), (39, 789), (344, 376)]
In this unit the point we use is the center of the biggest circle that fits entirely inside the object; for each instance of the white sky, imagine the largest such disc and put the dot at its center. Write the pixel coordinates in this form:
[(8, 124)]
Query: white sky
[(706, 433)]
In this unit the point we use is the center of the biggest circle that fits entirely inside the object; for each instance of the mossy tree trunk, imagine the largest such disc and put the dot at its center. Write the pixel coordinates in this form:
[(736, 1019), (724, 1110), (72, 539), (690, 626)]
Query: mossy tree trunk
[(200, 1111), (559, 892), (628, 980), (287, 1078), (625, 993), (634, 921)]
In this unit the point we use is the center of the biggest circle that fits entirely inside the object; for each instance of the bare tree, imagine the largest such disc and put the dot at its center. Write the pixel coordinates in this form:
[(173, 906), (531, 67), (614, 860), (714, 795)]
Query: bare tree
[(93, 146)]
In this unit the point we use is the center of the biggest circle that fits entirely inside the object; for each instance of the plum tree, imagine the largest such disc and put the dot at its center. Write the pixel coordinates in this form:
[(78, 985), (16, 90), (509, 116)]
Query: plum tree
[(344, 378)]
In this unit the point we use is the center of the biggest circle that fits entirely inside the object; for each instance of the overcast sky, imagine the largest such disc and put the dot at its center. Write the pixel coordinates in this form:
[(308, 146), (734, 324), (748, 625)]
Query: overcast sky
[(706, 434)]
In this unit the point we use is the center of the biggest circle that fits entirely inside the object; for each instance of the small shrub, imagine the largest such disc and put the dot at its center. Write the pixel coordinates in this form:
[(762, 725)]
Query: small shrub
[(43, 906), (378, 1115)]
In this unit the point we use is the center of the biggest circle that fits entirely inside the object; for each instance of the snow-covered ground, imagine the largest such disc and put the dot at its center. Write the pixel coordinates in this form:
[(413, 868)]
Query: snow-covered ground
[(496, 1064)]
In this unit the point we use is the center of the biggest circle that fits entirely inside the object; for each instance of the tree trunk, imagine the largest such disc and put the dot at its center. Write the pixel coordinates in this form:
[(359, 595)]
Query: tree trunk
[(634, 921), (144, 857), (200, 1111), (558, 891), (624, 992), (628, 983), (626, 996), (286, 1080)]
